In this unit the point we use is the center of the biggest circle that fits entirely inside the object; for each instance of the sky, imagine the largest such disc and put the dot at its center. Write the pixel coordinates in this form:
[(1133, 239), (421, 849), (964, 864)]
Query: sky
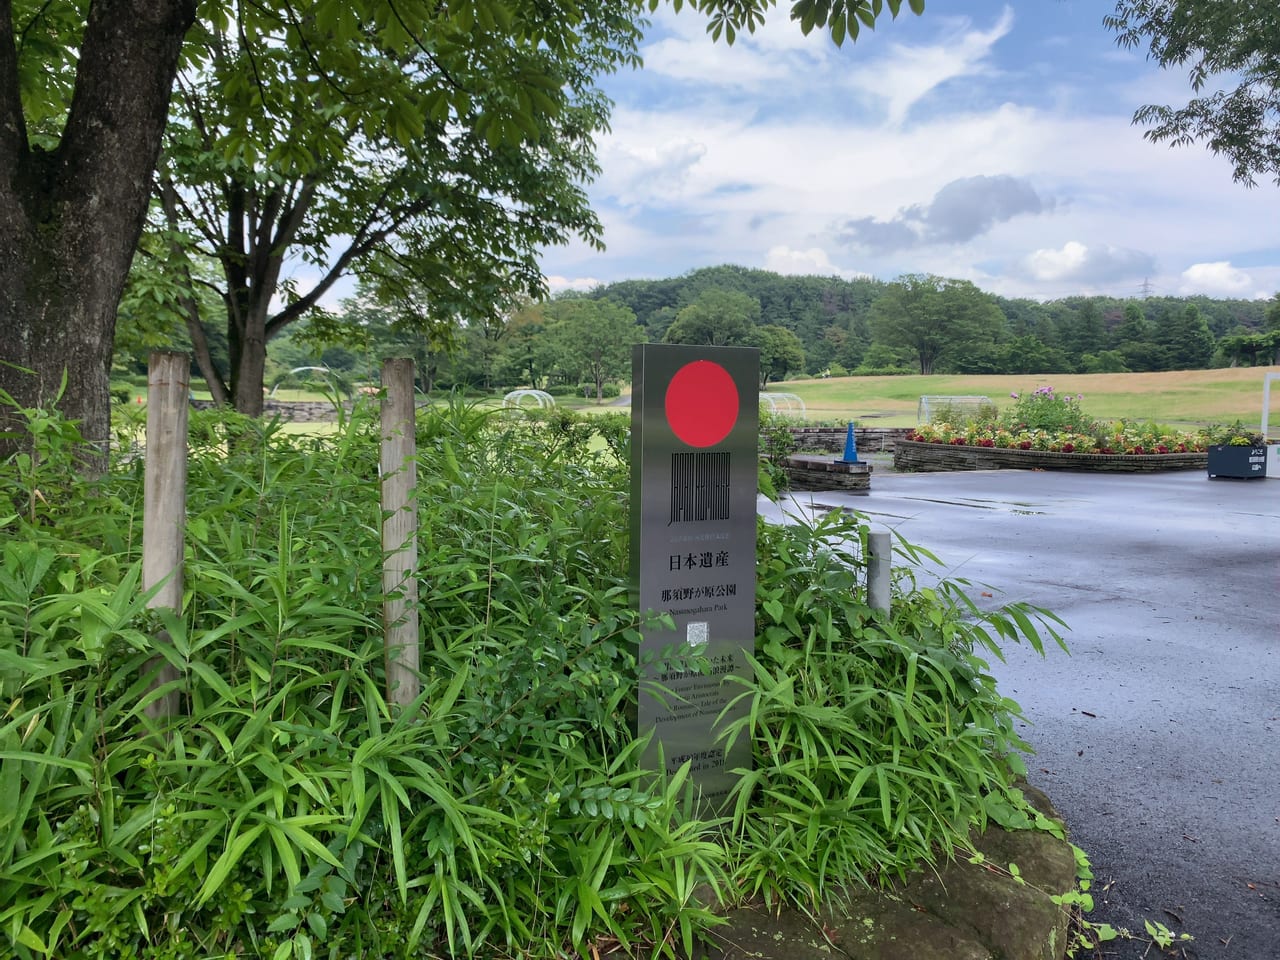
[(985, 141)]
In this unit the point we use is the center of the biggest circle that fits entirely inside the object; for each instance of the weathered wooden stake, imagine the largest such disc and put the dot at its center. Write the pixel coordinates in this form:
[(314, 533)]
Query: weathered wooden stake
[(400, 532), (879, 555), (165, 501)]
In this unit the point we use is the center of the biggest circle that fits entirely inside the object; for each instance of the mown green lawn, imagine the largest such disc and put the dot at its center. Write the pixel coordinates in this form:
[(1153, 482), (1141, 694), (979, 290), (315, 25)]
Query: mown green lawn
[(1179, 398)]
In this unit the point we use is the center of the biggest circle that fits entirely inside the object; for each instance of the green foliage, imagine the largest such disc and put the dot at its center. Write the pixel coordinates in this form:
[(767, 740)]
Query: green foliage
[(1186, 339), (875, 739), (777, 443), (716, 317), (841, 18), (780, 352), (933, 317), (1238, 41), (430, 150), (289, 807), (290, 811), (1047, 421), (1042, 409), (962, 413), (1105, 361), (608, 391), (1235, 435), (590, 341)]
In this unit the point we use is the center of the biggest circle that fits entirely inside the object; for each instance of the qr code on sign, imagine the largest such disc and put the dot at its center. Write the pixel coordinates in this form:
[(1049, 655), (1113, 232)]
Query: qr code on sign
[(697, 634)]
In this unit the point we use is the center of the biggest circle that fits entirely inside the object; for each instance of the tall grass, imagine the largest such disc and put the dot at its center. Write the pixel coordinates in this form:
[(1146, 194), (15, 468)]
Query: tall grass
[(289, 811)]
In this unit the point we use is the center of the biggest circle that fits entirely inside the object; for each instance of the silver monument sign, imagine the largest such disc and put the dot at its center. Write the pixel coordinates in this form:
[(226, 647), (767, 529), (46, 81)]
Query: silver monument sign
[(695, 422)]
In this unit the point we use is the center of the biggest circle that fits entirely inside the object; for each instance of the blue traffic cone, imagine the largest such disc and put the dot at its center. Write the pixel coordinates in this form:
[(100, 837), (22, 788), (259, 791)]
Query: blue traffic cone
[(850, 447)]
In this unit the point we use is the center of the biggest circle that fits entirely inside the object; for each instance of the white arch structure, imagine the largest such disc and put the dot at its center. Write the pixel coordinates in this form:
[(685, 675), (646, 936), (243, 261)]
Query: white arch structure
[(787, 404), (516, 399)]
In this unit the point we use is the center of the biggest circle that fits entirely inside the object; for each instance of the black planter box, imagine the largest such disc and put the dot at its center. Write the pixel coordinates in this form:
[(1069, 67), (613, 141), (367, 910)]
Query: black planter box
[(1245, 463)]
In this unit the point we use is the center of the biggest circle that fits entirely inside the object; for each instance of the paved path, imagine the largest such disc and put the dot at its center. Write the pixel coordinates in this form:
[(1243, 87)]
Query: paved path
[(1159, 737)]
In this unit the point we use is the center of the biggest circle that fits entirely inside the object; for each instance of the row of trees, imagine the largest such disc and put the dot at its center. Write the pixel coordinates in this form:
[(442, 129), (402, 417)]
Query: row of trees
[(575, 340), (803, 326), (933, 324)]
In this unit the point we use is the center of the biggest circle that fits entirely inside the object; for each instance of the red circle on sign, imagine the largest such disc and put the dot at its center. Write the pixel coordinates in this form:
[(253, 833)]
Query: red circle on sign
[(702, 403)]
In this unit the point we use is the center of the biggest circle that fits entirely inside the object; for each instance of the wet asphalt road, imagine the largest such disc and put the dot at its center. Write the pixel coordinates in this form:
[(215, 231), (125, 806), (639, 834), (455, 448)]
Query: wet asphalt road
[(1159, 737)]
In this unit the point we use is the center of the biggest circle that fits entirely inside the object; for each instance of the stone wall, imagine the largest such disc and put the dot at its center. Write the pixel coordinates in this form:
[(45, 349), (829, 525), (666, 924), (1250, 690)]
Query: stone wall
[(290, 411), (826, 473), (868, 439), (927, 457)]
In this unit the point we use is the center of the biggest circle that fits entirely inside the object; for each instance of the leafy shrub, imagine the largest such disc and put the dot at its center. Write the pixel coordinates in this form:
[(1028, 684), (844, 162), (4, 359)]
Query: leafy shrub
[(897, 371), (608, 391), (877, 742), (290, 811), (1042, 409), (1234, 435), (963, 413), (777, 443)]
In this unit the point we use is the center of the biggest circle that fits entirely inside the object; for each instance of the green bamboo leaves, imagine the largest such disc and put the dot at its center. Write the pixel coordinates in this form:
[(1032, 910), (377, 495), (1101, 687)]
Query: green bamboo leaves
[(290, 812)]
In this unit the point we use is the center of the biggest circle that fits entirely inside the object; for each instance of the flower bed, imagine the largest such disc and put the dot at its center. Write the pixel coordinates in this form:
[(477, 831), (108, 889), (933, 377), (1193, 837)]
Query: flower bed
[(1046, 431)]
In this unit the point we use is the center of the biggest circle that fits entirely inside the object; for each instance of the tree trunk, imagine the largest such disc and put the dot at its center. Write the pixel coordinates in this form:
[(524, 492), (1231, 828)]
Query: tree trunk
[(70, 218), (248, 359)]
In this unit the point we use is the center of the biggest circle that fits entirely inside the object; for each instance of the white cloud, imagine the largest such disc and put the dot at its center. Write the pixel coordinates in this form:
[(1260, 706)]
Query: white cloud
[(556, 283), (776, 49), (1216, 279), (813, 261), (701, 62), (910, 73), (1088, 266), (650, 170)]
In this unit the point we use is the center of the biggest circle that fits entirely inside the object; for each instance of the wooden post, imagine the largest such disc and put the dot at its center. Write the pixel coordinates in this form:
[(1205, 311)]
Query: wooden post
[(399, 472), (165, 500), (879, 554)]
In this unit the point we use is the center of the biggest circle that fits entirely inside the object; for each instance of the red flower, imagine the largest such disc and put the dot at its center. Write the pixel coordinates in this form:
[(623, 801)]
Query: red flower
[(1107, 450), (1025, 445), (1068, 448), (1138, 449), (1162, 449)]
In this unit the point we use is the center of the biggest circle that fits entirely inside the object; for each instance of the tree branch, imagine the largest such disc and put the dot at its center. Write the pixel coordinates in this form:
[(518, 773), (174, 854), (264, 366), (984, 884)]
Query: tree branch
[(365, 240)]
